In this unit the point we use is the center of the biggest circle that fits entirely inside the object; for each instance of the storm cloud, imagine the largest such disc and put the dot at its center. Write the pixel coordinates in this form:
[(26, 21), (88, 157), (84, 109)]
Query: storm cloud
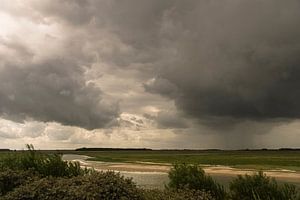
[(53, 91), (234, 59), (171, 67)]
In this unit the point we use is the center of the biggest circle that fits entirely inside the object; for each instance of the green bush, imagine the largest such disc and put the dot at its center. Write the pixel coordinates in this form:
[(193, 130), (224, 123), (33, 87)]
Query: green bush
[(11, 179), (44, 164), (184, 176), (96, 186), (180, 194), (261, 187)]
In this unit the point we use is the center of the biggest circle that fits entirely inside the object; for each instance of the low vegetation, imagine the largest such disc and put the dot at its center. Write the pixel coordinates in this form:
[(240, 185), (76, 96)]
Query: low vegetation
[(259, 186), (11, 179), (33, 175), (247, 187), (41, 163), (193, 177), (99, 186), (177, 194)]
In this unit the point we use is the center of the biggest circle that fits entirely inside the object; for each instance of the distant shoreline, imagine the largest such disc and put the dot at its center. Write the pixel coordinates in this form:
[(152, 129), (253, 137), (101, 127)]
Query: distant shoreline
[(83, 149), (149, 149)]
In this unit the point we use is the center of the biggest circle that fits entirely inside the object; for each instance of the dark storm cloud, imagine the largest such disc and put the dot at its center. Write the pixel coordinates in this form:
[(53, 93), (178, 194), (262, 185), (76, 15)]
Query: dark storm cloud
[(75, 12), (167, 119), (232, 60), (235, 59), (53, 90), (161, 86), (133, 23), (170, 120)]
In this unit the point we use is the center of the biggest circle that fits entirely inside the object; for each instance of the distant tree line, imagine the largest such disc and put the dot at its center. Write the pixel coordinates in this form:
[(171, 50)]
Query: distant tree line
[(112, 149), (148, 149)]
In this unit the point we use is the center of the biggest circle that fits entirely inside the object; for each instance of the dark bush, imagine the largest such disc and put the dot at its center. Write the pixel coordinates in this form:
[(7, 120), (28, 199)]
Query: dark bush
[(180, 194), (184, 176), (11, 179), (261, 187), (96, 186)]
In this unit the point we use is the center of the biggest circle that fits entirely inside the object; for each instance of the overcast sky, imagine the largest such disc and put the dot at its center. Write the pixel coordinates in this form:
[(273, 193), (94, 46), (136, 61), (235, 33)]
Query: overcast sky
[(150, 73)]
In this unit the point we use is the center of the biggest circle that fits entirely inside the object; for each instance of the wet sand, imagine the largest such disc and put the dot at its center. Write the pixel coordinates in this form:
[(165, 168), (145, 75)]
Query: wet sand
[(212, 170)]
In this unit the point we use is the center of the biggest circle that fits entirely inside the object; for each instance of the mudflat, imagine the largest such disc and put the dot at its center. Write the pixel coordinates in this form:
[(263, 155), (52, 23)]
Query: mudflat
[(151, 167)]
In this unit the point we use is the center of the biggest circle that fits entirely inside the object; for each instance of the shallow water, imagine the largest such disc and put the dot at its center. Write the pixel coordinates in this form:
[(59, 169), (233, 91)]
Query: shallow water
[(160, 179)]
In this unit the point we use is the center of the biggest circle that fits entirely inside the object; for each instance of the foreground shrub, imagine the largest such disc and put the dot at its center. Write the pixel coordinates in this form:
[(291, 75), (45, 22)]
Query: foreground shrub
[(181, 194), (96, 186), (184, 176), (44, 164), (261, 187), (11, 179)]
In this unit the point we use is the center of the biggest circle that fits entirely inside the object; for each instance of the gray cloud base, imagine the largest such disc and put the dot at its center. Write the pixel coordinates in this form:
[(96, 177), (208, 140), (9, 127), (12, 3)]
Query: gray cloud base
[(54, 90), (234, 59), (228, 59)]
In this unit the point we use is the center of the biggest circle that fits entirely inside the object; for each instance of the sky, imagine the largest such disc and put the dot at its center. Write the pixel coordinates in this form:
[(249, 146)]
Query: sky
[(156, 74)]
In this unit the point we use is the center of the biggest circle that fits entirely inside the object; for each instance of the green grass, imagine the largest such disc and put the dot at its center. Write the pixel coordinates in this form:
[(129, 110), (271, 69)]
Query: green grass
[(259, 160), (240, 159)]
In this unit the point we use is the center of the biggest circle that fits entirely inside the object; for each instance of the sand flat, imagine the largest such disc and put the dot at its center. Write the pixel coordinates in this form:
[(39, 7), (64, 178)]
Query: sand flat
[(164, 168), (221, 170)]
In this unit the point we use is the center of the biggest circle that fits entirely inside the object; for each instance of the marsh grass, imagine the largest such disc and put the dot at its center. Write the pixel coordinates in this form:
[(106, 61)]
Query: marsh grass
[(248, 187), (258, 160), (43, 164), (187, 176), (261, 187)]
